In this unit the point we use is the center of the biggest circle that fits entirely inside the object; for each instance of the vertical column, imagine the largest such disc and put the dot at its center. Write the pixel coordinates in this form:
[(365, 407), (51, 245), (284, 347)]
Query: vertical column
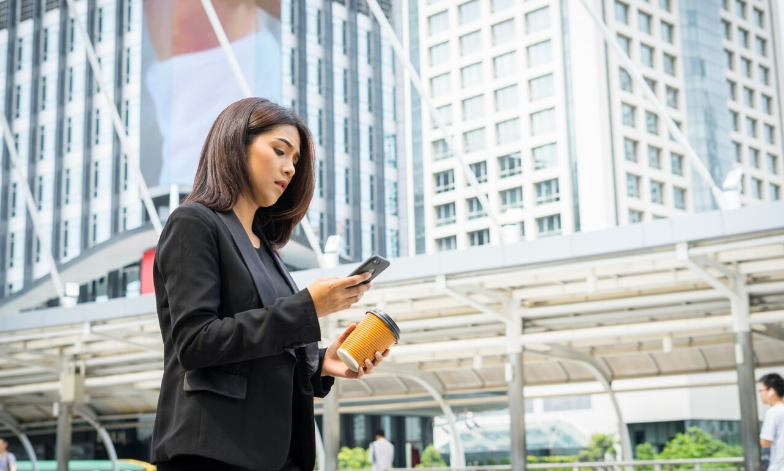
[(59, 149), (64, 429), (328, 169), (744, 365), (331, 415), (377, 148), (514, 379), (355, 191)]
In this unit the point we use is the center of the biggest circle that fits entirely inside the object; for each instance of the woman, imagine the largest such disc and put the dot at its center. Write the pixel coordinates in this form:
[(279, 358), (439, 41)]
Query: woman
[(771, 388), (241, 362)]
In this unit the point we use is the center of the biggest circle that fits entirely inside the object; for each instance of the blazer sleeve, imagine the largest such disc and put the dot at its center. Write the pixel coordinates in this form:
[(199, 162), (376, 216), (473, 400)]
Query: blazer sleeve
[(321, 384), (189, 265)]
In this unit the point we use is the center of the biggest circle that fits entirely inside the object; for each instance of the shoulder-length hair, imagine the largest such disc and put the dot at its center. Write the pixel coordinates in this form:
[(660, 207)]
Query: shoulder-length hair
[(223, 175)]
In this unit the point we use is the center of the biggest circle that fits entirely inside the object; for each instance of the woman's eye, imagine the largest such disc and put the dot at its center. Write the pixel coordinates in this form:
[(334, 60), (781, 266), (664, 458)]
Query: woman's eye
[(279, 152)]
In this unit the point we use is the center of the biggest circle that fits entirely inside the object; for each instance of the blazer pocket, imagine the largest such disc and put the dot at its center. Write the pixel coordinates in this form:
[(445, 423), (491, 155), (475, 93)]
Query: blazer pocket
[(226, 383)]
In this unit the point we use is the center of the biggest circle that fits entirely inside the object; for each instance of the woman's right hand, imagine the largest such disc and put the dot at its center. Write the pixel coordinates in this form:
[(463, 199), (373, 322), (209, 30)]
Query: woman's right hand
[(336, 294)]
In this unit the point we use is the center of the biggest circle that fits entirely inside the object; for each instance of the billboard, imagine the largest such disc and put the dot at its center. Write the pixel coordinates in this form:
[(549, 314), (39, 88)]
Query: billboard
[(187, 80)]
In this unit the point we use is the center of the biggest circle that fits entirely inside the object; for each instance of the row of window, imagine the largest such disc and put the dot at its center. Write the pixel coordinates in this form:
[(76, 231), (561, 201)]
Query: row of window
[(753, 158), (749, 97), (744, 40), (630, 151), (644, 22), (747, 67), (633, 185), (535, 21), (629, 118), (508, 166), (671, 93), (546, 226), (548, 191), (741, 9), (648, 55), (753, 128)]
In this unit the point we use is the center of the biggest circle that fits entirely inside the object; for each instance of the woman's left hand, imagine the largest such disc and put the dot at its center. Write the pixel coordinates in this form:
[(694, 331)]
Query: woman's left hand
[(333, 366)]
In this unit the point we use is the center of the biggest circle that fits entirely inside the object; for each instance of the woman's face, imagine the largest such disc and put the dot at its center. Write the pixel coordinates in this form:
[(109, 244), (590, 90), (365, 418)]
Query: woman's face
[(271, 162)]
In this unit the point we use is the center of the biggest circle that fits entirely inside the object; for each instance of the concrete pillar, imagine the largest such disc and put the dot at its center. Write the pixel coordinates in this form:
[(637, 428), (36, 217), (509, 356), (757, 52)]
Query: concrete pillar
[(747, 383), (331, 426), (64, 428), (517, 451)]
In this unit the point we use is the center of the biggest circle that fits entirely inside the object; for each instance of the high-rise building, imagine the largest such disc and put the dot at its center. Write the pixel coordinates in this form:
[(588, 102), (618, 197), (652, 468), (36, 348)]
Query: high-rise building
[(335, 70), (552, 123)]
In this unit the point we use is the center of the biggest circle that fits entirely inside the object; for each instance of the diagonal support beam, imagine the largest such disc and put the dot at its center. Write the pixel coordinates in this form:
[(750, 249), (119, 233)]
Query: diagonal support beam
[(501, 317), (682, 254), (770, 332)]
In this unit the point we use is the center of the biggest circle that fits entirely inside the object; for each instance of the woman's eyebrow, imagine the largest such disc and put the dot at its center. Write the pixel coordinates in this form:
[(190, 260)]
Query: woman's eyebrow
[(285, 141)]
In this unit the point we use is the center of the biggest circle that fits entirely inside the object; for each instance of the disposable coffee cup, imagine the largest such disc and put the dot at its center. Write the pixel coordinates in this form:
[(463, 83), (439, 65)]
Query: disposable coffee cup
[(375, 333)]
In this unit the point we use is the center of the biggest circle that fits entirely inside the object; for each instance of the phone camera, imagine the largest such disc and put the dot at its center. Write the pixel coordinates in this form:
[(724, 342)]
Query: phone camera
[(375, 262)]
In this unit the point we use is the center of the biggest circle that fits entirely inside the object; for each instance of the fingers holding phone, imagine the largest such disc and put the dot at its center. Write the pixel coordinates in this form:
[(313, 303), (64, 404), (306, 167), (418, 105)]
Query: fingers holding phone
[(331, 295)]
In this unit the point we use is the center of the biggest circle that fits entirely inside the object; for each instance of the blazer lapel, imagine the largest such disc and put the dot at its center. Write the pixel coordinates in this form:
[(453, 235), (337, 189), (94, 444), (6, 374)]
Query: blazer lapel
[(281, 267), (250, 257)]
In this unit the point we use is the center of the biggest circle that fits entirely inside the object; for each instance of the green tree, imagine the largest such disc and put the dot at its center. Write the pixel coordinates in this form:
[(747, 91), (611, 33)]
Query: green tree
[(644, 452), (353, 458), (431, 458), (601, 446), (696, 443)]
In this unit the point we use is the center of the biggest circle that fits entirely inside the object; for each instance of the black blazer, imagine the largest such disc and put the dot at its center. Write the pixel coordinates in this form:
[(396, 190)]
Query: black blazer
[(230, 388)]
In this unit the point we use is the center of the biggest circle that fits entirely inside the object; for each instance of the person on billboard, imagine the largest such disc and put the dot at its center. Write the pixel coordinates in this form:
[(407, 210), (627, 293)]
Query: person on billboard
[(241, 359)]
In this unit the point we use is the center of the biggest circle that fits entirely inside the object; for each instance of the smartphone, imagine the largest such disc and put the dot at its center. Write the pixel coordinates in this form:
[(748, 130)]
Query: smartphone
[(375, 264)]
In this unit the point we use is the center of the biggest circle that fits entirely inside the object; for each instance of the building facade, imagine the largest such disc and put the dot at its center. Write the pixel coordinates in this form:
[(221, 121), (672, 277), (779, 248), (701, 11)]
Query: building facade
[(338, 74), (552, 123)]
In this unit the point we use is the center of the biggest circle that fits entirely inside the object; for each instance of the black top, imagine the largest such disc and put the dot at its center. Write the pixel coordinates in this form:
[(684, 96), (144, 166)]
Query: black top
[(279, 284)]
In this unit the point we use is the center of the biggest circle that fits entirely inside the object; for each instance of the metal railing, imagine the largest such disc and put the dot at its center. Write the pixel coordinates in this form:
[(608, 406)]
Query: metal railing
[(703, 464)]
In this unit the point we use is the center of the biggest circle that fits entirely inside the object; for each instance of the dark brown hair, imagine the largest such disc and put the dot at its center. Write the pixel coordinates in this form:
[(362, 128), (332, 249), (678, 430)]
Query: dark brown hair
[(223, 173)]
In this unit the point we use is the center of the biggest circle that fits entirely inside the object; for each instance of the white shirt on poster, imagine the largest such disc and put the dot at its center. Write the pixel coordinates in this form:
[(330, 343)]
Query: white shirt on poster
[(773, 431)]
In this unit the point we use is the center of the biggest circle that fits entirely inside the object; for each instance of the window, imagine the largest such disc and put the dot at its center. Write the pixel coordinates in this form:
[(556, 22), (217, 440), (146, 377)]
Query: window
[(672, 97), (498, 5), (541, 87), (773, 164), (676, 161), (510, 165), (644, 22), (503, 32), (538, 20), (767, 104), (764, 75), (446, 243), (505, 64), (479, 237), (754, 158), (751, 127), (773, 190), (654, 157), (626, 44), (507, 131), (634, 216), (441, 150), (745, 67), (545, 156), (474, 107), (506, 98), (469, 11), (730, 58), (727, 29), (630, 150), (438, 23), (474, 140), (480, 171), (475, 210), (743, 37), (540, 53), (445, 112), (657, 192), (646, 55), (471, 43), (625, 80), (756, 188), (632, 186), (740, 8), (440, 85), (543, 122), (651, 84), (651, 122), (471, 75), (664, 5), (679, 197), (669, 64), (627, 114), (748, 97), (549, 225), (511, 198), (667, 32), (445, 181), (439, 54), (762, 47), (548, 192), (759, 18), (769, 134), (735, 118), (621, 12), (732, 88)]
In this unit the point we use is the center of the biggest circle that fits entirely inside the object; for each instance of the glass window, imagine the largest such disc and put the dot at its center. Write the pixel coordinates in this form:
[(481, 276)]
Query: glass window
[(627, 113), (475, 209), (764, 74), (543, 122), (630, 150), (479, 237), (735, 118), (626, 80), (740, 8), (774, 192), (498, 5), (654, 157), (743, 37), (657, 192), (548, 192), (626, 44), (540, 53), (503, 32), (745, 67), (446, 114), (549, 225), (651, 122), (445, 214), (474, 107), (469, 11), (730, 58), (545, 156), (480, 171), (632, 186), (664, 5), (439, 22), (541, 87), (651, 84), (510, 165), (505, 64), (732, 87), (748, 97), (773, 166), (440, 85), (471, 43), (759, 18), (621, 12), (762, 47), (679, 197), (445, 181), (767, 104), (677, 164), (769, 134), (754, 157), (471, 75), (446, 243), (756, 188), (508, 131), (634, 216), (506, 98), (511, 198), (667, 32), (738, 149), (439, 54), (538, 20), (644, 22), (672, 97), (751, 127), (474, 140), (646, 55), (441, 150)]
